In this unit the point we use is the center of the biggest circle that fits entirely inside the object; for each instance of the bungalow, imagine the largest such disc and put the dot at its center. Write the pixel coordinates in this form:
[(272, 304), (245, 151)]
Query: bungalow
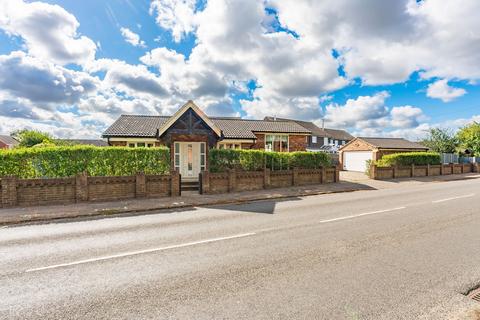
[(190, 133), (7, 142)]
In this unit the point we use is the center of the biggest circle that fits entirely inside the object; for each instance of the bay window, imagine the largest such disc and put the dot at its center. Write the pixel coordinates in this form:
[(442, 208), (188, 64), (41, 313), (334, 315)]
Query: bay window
[(276, 142)]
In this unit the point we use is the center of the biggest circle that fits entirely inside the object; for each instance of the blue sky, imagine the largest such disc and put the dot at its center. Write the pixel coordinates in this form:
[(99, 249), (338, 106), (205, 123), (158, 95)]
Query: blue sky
[(386, 68)]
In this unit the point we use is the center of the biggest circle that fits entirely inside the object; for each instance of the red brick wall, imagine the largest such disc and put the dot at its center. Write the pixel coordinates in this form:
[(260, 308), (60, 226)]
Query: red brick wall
[(297, 143), (118, 143), (259, 142), (34, 192), (3, 145)]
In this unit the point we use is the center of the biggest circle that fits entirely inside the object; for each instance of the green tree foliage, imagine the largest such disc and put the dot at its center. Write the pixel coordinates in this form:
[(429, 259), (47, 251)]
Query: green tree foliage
[(30, 138), (469, 137), (409, 158), (52, 162), (221, 160), (441, 140)]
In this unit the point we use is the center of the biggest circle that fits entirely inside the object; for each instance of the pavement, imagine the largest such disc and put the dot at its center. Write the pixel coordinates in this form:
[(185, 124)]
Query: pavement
[(406, 252), (350, 181)]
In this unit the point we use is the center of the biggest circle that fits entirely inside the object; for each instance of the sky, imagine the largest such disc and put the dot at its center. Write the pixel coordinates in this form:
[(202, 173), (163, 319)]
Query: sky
[(391, 68)]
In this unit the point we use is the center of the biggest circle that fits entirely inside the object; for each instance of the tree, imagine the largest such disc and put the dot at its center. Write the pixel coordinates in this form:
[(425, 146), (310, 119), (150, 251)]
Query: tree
[(441, 140), (469, 137), (29, 138)]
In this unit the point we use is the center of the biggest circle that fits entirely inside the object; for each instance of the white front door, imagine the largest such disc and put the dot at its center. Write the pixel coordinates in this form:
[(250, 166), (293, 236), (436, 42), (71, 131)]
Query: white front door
[(190, 159)]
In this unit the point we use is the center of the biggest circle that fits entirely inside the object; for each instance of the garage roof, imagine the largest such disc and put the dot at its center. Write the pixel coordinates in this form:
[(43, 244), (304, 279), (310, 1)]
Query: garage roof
[(392, 143)]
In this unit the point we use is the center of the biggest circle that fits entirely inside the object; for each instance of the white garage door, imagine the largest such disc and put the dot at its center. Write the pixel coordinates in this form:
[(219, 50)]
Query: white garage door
[(356, 160)]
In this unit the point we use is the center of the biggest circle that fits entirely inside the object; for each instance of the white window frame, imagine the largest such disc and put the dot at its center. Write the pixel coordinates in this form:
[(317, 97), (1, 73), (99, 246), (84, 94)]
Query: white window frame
[(314, 139), (203, 156), (273, 142), (176, 153), (136, 143)]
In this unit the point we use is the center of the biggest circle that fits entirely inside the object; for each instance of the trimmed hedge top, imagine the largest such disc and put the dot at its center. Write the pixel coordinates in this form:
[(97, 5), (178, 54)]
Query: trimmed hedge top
[(409, 158), (56, 162), (221, 160)]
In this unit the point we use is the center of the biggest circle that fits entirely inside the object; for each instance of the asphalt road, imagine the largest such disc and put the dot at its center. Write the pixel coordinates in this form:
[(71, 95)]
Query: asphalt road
[(403, 253)]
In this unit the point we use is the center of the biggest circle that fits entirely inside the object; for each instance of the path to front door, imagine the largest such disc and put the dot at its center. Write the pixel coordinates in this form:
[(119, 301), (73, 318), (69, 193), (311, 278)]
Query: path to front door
[(190, 159)]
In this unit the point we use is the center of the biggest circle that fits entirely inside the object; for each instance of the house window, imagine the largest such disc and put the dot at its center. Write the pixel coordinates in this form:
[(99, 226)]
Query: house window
[(131, 145), (176, 151), (314, 139), (278, 143), (190, 157), (229, 146), (202, 156), (140, 144)]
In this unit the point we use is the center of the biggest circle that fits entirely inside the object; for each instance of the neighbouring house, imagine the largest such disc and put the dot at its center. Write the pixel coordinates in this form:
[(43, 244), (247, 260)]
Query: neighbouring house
[(86, 142), (7, 142), (355, 154), (190, 133), (321, 139)]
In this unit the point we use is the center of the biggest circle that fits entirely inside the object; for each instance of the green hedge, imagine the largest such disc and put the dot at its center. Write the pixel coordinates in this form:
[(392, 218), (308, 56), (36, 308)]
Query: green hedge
[(409, 158), (51, 162), (221, 160)]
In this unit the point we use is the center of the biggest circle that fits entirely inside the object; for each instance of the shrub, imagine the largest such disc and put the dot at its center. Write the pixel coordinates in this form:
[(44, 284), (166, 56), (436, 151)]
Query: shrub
[(254, 160), (50, 162), (409, 158)]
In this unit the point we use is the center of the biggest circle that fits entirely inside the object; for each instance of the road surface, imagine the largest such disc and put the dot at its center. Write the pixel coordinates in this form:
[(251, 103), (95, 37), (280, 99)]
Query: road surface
[(402, 253)]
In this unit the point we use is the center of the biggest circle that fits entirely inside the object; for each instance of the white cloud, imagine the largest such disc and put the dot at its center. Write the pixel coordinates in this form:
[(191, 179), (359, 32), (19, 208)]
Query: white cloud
[(440, 89), (49, 31), (177, 16), (132, 38)]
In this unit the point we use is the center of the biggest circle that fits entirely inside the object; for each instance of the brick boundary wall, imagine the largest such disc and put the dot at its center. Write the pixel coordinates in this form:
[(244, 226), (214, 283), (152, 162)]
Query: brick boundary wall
[(385, 173), (237, 180), (82, 188)]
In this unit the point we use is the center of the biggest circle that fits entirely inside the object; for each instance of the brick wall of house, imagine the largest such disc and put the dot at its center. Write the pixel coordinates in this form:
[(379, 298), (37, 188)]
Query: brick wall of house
[(3, 145), (297, 143), (118, 143), (259, 142)]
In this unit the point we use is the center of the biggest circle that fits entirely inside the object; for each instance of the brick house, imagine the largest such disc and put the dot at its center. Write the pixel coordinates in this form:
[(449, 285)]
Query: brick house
[(320, 139), (190, 133), (7, 142), (355, 154)]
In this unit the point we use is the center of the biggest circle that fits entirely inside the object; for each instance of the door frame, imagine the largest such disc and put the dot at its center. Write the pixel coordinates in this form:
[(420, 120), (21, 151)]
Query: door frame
[(179, 147)]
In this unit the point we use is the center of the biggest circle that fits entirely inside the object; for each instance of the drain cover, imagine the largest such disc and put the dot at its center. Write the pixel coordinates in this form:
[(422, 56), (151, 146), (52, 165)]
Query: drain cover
[(474, 294)]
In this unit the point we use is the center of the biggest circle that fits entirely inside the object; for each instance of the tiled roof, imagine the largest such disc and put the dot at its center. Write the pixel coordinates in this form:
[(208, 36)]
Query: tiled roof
[(135, 126), (316, 131), (240, 128), (393, 143), (147, 126), (8, 140)]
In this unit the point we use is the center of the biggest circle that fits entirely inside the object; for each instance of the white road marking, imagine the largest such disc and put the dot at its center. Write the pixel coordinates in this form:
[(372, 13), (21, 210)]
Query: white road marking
[(454, 198), (133, 253), (331, 220), (361, 215)]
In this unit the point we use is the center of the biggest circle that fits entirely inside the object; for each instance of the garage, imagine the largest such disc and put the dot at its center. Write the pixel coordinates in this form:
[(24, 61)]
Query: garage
[(356, 160), (353, 155)]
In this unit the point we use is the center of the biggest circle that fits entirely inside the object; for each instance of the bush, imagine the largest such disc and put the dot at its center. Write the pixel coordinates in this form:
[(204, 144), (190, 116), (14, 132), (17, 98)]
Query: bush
[(51, 162), (409, 158), (221, 160)]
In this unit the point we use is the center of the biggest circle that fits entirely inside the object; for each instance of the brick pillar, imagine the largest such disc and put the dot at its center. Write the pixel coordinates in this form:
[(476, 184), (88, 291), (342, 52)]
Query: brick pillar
[(140, 185), (441, 169), (175, 183), (476, 167), (266, 178), (394, 171), (205, 176), (413, 171), (9, 191), (452, 168), (336, 177), (373, 172), (295, 180), (428, 170), (81, 187), (232, 180), (323, 177)]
